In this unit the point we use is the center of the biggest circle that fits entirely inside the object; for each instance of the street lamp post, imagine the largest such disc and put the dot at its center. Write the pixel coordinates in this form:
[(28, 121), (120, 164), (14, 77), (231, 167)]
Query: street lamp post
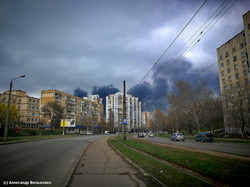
[(8, 110)]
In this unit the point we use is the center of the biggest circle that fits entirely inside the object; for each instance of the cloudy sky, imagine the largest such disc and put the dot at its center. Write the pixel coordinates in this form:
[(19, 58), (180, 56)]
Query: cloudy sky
[(94, 44)]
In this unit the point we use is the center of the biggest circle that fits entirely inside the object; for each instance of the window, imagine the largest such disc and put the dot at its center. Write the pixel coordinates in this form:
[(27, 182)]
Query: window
[(228, 62), (245, 72), (229, 77), (241, 45), (235, 67), (238, 84), (221, 57), (242, 54), (234, 58), (222, 64), (233, 49), (237, 75), (228, 70), (227, 54)]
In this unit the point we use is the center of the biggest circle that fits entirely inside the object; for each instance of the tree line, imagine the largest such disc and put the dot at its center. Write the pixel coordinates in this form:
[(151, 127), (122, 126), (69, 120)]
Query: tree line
[(192, 107)]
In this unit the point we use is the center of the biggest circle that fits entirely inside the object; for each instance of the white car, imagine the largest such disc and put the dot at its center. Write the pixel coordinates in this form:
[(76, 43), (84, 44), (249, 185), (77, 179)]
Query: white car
[(106, 132), (151, 135)]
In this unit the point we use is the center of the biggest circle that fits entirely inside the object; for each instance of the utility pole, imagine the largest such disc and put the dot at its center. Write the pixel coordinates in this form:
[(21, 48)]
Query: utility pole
[(8, 109), (124, 112)]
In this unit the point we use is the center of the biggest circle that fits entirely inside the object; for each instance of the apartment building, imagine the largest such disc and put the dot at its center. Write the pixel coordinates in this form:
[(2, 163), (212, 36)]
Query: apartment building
[(234, 75), (146, 120), (28, 108), (114, 111), (88, 111)]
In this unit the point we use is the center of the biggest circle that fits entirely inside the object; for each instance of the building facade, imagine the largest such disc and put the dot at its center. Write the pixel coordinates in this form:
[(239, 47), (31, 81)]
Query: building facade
[(88, 111), (114, 111), (146, 120), (234, 75), (28, 108)]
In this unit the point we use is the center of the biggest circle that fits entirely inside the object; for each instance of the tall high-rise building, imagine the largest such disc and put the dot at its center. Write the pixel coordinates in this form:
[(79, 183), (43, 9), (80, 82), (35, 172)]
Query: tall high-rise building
[(234, 74), (114, 111)]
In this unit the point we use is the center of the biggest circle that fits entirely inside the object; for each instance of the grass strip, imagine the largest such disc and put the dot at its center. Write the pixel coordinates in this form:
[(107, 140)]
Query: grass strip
[(226, 170), (166, 174), (27, 138)]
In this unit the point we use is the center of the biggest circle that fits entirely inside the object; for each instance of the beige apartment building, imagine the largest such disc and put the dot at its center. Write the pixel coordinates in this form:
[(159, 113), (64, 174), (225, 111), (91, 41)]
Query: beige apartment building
[(234, 75), (86, 111), (28, 108), (146, 120)]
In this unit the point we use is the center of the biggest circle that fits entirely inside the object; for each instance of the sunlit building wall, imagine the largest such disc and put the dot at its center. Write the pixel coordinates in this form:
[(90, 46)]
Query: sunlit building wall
[(234, 73)]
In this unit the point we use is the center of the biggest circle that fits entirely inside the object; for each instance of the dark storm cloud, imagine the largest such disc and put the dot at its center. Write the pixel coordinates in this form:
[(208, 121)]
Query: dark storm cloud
[(91, 42)]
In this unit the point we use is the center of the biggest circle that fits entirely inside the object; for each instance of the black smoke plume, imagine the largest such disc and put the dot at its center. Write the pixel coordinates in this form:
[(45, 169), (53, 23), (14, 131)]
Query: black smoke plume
[(104, 91), (153, 96), (80, 93)]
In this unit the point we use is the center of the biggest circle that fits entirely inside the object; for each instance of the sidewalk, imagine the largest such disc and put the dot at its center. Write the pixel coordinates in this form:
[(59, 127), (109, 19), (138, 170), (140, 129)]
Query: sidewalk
[(102, 166)]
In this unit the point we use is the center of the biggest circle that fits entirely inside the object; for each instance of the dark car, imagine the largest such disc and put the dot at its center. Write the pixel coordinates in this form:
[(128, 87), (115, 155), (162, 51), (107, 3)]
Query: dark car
[(140, 135), (204, 137), (177, 137)]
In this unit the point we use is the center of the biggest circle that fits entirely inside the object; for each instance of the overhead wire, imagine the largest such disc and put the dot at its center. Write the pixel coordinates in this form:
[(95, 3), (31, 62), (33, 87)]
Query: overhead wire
[(198, 30), (173, 41), (203, 33)]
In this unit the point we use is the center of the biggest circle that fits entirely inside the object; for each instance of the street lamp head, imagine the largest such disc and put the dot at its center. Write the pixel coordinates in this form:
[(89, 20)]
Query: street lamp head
[(22, 76)]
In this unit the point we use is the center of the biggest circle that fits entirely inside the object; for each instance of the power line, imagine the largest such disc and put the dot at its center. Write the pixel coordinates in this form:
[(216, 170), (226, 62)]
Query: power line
[(173, 41), (203, 33), (196, 39)]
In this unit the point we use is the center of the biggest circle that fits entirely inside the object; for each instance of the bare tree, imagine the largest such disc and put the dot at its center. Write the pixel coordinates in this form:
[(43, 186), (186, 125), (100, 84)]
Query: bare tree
[(191, 101), (159, 120), (236, 102), (53, 112)]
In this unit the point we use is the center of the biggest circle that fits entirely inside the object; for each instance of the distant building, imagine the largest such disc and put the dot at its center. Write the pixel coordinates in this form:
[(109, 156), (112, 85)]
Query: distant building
[(114, 111), (234, 68), (146, 120), (86, 111), (94, 98), (28, 108)]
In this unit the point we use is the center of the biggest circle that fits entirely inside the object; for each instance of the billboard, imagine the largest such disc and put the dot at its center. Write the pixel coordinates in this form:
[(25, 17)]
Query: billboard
[(68, 123)]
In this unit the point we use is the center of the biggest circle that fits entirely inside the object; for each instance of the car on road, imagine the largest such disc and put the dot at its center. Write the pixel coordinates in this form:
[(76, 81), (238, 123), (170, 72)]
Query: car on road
[(204, 137), (177, 137), (151, 135), (141, 135), (106, 132)]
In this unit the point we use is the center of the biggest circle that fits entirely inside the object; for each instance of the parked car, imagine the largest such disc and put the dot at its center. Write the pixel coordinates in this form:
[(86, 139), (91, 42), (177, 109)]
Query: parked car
[(151, 135), (204, 137), (177, 137), (106, 132), (141, 135)]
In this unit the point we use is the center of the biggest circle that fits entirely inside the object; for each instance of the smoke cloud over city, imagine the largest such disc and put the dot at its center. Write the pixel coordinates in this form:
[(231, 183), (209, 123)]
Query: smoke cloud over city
[(153, 95), (80, 93)]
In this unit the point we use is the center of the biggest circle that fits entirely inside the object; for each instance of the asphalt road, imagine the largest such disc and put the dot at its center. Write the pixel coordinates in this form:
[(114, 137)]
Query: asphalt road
[(51, 160), (232, 148)]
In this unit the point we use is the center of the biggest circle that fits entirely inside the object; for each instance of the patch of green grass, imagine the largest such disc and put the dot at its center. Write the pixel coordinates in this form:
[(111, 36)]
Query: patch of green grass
[(28, 138), (226, 170), (165, 174)]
